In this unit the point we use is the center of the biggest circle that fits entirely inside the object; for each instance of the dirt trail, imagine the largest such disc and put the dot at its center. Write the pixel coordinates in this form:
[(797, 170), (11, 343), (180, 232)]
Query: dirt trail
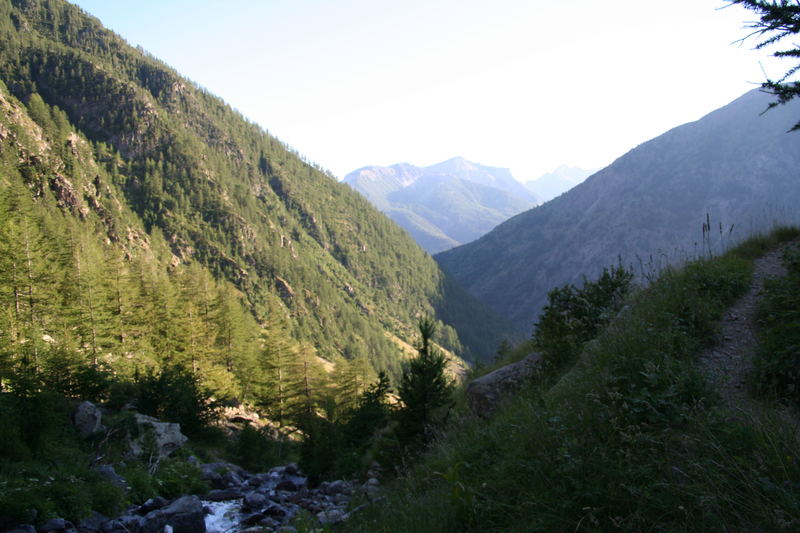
[(728, 363)]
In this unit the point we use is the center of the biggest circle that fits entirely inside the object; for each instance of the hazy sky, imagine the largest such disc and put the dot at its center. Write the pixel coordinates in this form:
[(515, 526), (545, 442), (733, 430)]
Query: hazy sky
[(525, 84)]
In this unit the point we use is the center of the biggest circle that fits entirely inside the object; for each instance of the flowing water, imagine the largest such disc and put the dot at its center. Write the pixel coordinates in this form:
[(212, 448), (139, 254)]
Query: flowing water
[(223, 516)]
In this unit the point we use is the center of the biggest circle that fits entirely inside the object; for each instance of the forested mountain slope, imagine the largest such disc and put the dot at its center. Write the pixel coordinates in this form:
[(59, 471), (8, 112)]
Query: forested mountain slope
[(446, 204), (122, 181), (735, 167)]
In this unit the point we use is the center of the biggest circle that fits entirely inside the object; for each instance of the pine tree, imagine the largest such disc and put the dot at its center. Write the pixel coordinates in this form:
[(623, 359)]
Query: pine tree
[(779, 19), (424, 386)]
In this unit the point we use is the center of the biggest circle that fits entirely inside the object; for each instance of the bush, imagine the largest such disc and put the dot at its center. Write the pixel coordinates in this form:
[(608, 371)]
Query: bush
[(340, 448), (176, 395), (255, 451), (574, 316)]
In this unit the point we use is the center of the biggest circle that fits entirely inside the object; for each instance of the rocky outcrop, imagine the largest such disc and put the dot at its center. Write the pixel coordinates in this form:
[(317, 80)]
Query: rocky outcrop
[(487, 391), (157, 438), (88, 419)]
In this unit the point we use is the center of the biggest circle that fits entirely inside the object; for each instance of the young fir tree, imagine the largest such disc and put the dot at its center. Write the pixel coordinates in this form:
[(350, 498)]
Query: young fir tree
[(424, 386)]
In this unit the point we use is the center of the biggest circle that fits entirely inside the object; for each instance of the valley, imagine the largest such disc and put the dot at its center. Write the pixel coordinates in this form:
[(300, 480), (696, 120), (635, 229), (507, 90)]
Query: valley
[(202, 330)]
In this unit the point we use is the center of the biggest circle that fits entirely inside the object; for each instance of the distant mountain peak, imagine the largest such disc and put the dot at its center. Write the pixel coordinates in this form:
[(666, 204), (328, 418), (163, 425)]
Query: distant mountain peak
[(444, 204)]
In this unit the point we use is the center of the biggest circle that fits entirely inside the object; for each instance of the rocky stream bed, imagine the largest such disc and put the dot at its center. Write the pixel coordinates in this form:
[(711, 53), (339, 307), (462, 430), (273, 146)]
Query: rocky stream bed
[(239, 501)]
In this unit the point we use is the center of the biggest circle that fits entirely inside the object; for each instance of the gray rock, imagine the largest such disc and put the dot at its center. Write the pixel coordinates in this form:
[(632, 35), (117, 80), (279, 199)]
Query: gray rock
[(166, 436), (109, 473), (152, 504), (331, 516), (334, 487), (184, 515), (254, 501), (251, 519), (487, 391), (92, 523), (55, 524), (128, 523), (286, 484), (276, 510), (88, 419), (24, 528), (220, 495), (232, 479)]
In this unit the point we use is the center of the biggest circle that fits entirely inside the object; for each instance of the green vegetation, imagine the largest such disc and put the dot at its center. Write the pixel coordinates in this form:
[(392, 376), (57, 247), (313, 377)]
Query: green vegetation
[(158, 250), (630, 437), (345, 442), (47, 471), (776, 374), (574, 316), (778, 20), (204, 217)]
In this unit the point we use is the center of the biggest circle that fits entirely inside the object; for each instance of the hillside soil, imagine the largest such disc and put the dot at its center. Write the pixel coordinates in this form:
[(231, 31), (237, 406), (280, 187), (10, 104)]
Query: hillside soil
[(728, 364)]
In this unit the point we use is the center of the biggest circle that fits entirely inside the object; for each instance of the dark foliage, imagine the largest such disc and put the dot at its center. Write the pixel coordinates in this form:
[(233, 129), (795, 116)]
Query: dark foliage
[(576, 315), (424, 387), (341, 447), (779, 19), (776, 371), (176, 395)]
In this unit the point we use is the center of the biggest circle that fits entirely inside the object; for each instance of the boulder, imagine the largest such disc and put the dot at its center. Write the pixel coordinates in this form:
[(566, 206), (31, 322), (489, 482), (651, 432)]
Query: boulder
[(184, 515), (335, 487), (166, 436), (25, 528), (254, 502), (92, 523), (221, 495), (127, 523), (331, 516), (108, 472), (88, 419), (486, 392), (55, 525), (152, 504)]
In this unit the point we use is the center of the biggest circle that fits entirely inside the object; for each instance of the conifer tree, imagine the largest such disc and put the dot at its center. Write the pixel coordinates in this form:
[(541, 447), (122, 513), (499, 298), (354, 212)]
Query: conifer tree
[(779, 19), (424, 386)]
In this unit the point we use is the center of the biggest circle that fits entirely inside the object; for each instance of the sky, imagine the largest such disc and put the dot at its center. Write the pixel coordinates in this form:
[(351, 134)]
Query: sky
[(524, 84)]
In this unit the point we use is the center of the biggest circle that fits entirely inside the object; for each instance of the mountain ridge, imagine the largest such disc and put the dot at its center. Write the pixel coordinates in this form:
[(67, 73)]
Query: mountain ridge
[(444, 204), (222, 192), (730, 165)]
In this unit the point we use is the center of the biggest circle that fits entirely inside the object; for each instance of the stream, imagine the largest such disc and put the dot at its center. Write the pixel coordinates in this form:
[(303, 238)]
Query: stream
[(223, 517)]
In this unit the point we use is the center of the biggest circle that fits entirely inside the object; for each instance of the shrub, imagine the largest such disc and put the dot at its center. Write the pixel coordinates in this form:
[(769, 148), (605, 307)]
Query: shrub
[(176, 395), (574, 316), (254, 450)]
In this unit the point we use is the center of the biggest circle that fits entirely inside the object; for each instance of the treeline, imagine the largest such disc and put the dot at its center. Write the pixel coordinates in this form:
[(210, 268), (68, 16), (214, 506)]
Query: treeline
[(227, 194)]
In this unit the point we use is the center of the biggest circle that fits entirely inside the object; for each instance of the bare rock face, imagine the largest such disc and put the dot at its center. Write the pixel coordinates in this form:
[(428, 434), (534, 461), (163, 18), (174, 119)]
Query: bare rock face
[(166, 437), (486, 392), (88, 419)]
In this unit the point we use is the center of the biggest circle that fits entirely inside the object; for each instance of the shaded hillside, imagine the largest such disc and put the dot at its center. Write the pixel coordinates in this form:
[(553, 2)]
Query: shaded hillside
[(223, 193), (735, 165), (632, 436), (555, 183), (445, 204)]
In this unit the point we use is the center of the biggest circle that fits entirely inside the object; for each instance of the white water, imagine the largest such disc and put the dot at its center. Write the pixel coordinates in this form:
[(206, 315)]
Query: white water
[(224, 516)]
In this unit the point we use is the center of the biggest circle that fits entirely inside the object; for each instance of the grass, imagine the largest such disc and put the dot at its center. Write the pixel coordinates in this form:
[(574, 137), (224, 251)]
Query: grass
[(776, 373), (631, 438)]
